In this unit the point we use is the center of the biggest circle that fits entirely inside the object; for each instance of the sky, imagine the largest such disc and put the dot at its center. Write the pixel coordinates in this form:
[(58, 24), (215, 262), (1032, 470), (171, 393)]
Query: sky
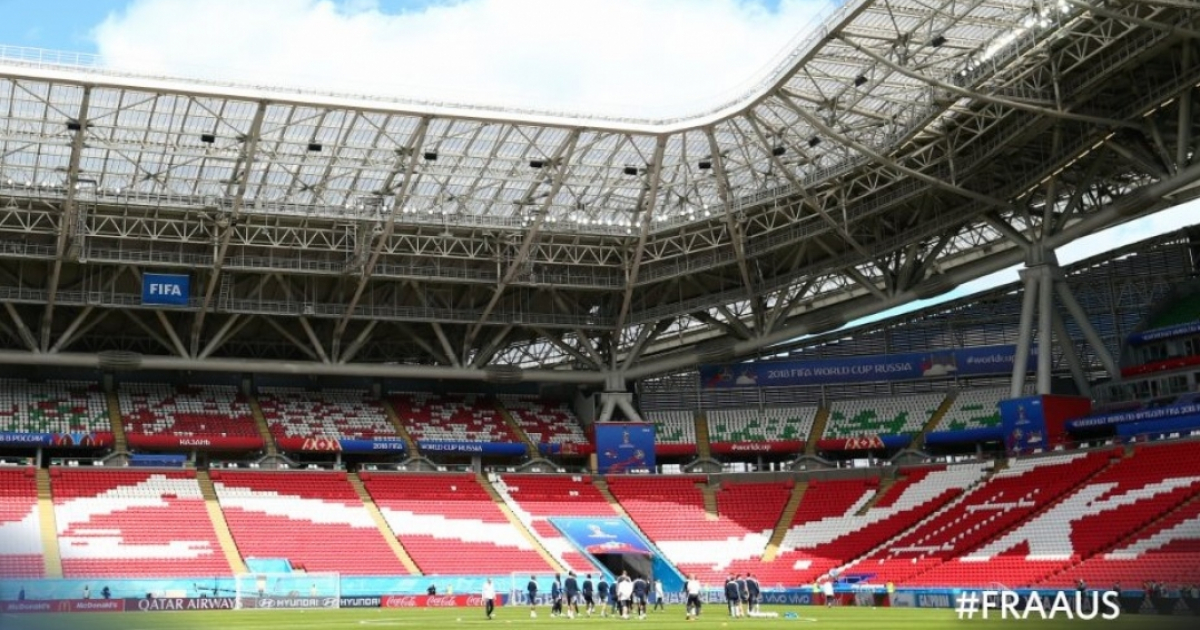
[(639, 58)]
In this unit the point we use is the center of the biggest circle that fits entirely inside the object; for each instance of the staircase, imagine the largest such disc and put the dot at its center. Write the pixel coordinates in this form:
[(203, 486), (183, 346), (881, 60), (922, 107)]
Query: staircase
[(710, 501), (52, 567), (220, 526), (384, 529), (118, 427), (785, 521), (409, 444), (703, 446), (885, 484), (818, 429), (264, 430), (519, 526), (517, 429), (935, 419), (602, 487)]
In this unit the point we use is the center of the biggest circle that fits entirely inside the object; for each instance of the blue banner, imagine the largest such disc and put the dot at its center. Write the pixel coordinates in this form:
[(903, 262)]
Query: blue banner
[(600, 536), (1161, 334), (983, 434), (1141, 415), (1024, 423), (161, 289), (891, 367), (472, 448), (625, 447), (62, 440), (371, 446), (1155, 429)]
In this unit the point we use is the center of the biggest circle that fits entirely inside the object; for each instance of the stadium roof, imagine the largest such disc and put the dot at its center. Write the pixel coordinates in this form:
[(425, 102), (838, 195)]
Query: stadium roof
[(901, 141)]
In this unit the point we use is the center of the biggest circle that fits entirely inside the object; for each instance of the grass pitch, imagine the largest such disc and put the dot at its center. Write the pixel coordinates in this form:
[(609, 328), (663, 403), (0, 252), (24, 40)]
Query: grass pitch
[(714, 617)]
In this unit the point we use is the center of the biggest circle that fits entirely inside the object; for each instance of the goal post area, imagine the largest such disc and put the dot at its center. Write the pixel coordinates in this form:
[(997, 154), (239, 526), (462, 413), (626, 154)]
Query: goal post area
[(517, 593), (288, 590)]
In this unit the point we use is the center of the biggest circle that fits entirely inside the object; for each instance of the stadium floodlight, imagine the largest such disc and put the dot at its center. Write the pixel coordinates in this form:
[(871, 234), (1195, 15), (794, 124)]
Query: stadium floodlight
[(705, 165), (778, 151), (814, 141), (860, 80), (208, 138), (938, 41), (431, 156), (314, 147), (536, 163), (74, 125)]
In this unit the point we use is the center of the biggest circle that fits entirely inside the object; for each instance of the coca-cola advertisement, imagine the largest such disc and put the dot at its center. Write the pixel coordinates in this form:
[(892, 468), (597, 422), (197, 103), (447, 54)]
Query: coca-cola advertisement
[(435, 601)]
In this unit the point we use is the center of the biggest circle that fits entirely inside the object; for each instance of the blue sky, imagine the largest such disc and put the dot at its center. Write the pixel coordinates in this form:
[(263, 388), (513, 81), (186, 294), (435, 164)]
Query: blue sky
[(641, 57)]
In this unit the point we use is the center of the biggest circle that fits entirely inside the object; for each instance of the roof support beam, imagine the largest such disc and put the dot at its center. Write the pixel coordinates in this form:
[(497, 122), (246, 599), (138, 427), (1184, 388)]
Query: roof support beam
[(979, 96), (409, 156), (647, 335), (246, 163), (735, 321), (737, 237), (481, 359), (154, 334), (358, 343), (562, 155), (556, 340), (455, 360), (283, 332), (312, 338), (411, 335), (830, 132), (22, 329), (707, 318), (68, 225), (232, 326), (65, 340), (647, 208), (171, 334), (1099, 9)]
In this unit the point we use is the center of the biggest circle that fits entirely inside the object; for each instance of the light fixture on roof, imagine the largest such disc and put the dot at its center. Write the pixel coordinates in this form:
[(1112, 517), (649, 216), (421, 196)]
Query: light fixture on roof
[(778, 151), (860, 80), (705, 165), (536, 163), (73, 125), (431, 156), (814, 141), (938, 40), (314, 147), (631, 170), (208, 138)]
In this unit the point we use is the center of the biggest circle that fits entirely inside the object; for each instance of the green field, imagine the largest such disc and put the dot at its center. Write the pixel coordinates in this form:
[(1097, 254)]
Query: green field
[(518, 619)]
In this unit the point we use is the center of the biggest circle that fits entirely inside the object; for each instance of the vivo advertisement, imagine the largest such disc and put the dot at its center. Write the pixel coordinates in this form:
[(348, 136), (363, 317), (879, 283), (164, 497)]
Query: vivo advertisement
[(601, 536), (889, 367), (624, 447), (161, 289)]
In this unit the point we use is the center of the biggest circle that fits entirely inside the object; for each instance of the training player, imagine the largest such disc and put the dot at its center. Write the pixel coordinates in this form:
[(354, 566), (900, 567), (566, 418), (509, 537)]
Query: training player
[(556, 596), (571, 588), (489, 598), (602, 595), (624, 595), (743, 593), (588, 595), (658, 595), (640, 589), (755, 590), (731, 596), (532, 589), (692, 590)]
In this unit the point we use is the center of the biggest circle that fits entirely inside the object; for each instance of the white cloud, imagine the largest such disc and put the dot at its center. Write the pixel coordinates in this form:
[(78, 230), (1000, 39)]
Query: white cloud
[(642, 58)]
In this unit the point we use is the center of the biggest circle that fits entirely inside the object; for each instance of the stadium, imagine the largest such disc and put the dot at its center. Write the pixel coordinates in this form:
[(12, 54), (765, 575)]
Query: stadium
[(364, 358)]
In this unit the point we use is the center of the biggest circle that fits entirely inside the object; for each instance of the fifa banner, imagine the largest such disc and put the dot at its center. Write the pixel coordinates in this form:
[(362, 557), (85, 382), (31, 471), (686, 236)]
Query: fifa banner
[(472, 448), (1162, 334), (1039, 423), (339, 445), (889, 367), (568, 449), (1158, 429), (195, 443), (160, 289), (57, 440), (1142, 415), (599, 536), (750, 448), (625, 447)]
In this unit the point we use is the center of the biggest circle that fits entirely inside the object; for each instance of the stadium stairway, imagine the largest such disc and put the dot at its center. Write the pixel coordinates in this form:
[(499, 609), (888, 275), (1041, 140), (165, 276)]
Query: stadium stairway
[(517, 429), (703, 444), (711, 512), (394, 418), (934, 420), (260, 421), (220, 526), (785, 521), (602, 486), (818, 429), (520, 526), (885, 484), (381, 523), (52, 559), (120, 445)]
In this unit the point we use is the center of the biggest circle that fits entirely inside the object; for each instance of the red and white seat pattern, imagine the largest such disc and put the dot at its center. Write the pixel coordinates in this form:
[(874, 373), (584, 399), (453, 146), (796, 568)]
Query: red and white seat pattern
[(547, 422), (1100, 513), (814, 547), (1008, 497), (451, 418), (537, 498), (332, 414), (670, 511), (21, 551), (450, 525), (52, 407), (186, 411), (133, 523), (314, 519)]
